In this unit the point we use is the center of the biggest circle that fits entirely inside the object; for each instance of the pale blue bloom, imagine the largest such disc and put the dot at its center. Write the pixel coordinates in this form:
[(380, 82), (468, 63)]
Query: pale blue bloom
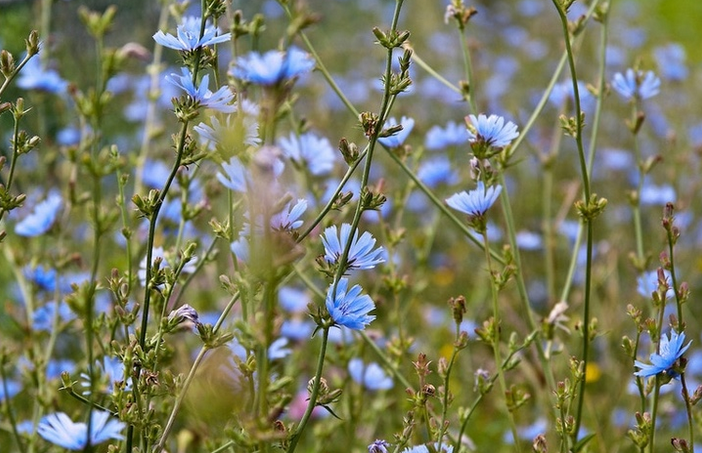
[(445, 448), (437, 170), (316, 153), (453, 134), (379, 446), (491, 131), (189, 35), (44, 278), (60, 430), (657, 195), (528, 240), (398, 139), (235, 175), (671, 61), (293, 300), (240, 248), (273, 67), (563, 92), (34, 77), (43, 319), (647, 283), (158, 252), (349, 308), (637, 84), (13, 388), (297, 329), (476, 202), (371, 376), (670, 350), (278, 350), (112, 369), (42, 217), (289, 218), (361, 254), (238, 129), (219, 100)]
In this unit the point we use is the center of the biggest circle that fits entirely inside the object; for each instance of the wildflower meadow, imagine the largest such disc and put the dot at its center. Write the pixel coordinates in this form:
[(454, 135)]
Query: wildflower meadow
[(350, 226)]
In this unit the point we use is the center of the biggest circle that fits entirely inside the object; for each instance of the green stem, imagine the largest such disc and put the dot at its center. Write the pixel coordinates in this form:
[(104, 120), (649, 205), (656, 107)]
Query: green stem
[(496, 340), (588, 220), (468, 68), (313, 395), (654, 412), (191, 374)]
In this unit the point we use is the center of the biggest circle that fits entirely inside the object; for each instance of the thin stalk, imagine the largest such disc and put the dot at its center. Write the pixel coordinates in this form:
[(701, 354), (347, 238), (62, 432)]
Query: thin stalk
[(432, 72), (588, 219), (496, 341), (332, 199), (468, 68), (191, 374), (313, 395), (688, 407), (654, 413)]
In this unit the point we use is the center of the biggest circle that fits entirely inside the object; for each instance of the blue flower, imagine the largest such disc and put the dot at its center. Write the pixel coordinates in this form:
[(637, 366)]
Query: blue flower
[(60, 430), (437, 170), (189, 35), (349, 308), (13, 388), (272, 67), (235, 175), (316, 153), (370, 376), (361, 253), (670, 350), (476, 202), (439, 138), (219, 100), (43, 319), (671, 61), (34, 77), (237, 130), (379, 446), (398, 139), (647, 283), (278, 350), (288, 218), (42, 218), (491, 131), (638, 85), (424, 449)]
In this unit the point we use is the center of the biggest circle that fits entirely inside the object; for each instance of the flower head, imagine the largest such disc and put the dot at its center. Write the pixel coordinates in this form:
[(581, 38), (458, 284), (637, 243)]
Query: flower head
[(670, 350), (361, 253), (490, 132), (237, 132), (453, 134), (371, 376), (60, 430), (272, 67), (476, 202), (42, 218), (636, 84), (349, 308), (189, 35), (289, 218), (34, 77), (397, 139), (316, 153), (219, 100), (445, 448), (379, 446)]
